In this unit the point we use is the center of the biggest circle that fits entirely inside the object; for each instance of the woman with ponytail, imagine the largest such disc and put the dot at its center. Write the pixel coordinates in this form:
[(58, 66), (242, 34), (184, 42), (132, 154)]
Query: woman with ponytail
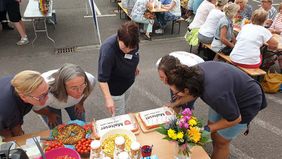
[(234, 99)]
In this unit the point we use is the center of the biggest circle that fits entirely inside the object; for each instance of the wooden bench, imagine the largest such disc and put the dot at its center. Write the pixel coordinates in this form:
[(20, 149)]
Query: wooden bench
[(122, 9), (249, 71)]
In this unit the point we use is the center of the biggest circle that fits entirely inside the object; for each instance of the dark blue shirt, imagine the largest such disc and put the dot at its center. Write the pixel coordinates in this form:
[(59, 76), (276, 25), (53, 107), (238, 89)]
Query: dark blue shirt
[(12, 108), (231, 92), (114, 68)]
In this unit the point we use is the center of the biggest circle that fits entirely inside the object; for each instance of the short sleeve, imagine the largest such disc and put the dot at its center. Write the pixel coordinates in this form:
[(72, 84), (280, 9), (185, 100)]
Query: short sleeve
[(267, 35), (226, 105), (106, 62)]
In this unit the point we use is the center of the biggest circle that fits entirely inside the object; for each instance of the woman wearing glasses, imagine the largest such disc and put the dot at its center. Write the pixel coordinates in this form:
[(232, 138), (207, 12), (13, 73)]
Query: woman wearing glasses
[(69, 87), (18, 94)]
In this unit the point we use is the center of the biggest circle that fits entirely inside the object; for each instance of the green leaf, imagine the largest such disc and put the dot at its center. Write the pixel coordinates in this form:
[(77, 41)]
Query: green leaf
[(162, 130)]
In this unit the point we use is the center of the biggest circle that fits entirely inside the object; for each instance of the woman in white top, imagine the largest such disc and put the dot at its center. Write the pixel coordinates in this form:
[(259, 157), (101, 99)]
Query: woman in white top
[(202, 14), (207, 30), (69, 87), (168, 62), (174, 12), (246, 52)]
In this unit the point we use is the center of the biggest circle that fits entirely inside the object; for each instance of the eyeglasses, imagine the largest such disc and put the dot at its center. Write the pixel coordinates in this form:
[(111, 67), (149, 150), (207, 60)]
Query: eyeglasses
[(41, 97), (78, 88), (265, 1)]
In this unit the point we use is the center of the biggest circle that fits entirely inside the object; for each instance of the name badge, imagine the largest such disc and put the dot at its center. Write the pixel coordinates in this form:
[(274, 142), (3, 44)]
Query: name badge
[(128, 56)]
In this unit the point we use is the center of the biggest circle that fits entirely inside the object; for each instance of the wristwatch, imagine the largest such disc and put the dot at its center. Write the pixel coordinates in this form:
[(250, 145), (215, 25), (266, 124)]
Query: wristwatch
[(207, 128)]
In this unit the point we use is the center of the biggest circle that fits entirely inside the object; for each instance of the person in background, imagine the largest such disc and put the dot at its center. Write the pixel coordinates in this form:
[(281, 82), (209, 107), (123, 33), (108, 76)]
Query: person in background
[(70, 86), (245, 11), (224, 32), (202, 14), (207, 30), (233, 97), (128, 4), (117, 66), (13, 9), (4, 21), (137, 16), (18, 94), (276, 26), (249, 56), (174, 12), (267, 6), (169, 62)]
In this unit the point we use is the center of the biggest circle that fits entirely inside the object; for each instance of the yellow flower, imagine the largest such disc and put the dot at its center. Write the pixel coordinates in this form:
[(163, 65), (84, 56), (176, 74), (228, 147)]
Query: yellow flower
[(171, 133), (192, 122), (194, 134), (180, 135)]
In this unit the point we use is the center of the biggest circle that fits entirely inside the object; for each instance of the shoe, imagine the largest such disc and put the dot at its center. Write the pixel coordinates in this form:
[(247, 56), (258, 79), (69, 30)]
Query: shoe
[(23, 41), (5, 26), (147, 36), (141, 31), (159, 31)]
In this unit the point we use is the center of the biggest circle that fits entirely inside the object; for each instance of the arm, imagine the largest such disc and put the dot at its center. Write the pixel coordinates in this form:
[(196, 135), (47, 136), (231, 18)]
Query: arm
[(107, 97), (223, 123), (52, 117), (272, 43), (181, 101), (223, 39)]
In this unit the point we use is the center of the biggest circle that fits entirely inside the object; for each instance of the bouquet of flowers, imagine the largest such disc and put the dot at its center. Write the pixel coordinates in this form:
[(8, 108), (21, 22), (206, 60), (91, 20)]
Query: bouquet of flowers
[(186, 130)]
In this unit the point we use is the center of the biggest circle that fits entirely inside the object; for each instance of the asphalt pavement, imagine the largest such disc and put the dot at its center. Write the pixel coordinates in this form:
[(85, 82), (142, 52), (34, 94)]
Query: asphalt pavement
[(75, 30)]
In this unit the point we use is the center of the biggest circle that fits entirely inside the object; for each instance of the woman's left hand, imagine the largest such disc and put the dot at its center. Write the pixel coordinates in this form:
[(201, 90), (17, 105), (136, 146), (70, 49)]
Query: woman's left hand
[(79, 109)]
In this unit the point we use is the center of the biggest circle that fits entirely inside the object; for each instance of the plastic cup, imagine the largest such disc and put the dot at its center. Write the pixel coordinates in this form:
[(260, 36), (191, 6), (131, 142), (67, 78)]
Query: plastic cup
[(146, 151)]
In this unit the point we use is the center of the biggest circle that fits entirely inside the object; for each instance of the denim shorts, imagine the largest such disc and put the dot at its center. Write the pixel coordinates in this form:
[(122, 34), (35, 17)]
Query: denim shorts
[(227, 133)]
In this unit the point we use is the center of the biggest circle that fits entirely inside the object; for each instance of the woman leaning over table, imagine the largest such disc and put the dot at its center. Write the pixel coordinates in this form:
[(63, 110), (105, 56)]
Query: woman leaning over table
[(224, 32), (137, 15), (245, 11), (69, 88), (246, 52)]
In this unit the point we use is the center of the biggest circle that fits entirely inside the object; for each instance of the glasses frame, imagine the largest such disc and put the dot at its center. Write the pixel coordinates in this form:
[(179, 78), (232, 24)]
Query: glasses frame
[(41, 97), (78, 88)]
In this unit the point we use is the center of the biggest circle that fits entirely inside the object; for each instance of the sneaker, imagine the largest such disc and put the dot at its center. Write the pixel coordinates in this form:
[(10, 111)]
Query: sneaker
[(159, 31), (23, 41)]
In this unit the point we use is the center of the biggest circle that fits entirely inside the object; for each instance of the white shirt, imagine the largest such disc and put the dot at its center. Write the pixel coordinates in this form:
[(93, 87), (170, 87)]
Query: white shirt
[(53, 101), (176, 10), (249, 41), (209, 27), (201, 14), (185, 58)]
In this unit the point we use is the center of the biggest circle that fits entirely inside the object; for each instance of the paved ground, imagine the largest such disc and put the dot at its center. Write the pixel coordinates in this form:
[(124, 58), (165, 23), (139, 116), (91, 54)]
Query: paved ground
[(264, 140)]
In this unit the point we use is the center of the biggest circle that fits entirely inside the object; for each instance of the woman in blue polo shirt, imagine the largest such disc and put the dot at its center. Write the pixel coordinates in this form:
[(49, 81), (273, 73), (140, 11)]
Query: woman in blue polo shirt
[(18, 94)]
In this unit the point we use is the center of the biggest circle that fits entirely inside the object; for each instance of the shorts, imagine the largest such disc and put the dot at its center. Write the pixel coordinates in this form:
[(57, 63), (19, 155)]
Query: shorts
[(13, 9), (227, 133)]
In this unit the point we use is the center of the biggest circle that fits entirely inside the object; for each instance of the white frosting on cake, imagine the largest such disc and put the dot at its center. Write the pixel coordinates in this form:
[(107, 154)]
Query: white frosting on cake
[(156, 117), (122, 121)]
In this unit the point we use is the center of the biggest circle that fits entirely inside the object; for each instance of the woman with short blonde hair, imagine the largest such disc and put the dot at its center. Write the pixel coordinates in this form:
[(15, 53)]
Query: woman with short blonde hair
[(18, 94), (246, 52)]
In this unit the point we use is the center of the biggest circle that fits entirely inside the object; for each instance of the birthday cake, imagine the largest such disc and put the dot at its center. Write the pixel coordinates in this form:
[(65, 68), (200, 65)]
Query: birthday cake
[(153, 118), (121, 122)]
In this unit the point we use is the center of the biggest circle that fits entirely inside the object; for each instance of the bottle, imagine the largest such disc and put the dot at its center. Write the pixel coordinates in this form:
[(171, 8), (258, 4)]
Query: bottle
[(119, 146), (95, 149), (135, 150)]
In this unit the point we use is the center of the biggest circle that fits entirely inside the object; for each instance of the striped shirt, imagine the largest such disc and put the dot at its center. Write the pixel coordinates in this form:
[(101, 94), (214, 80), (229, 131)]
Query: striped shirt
[(277, 23)]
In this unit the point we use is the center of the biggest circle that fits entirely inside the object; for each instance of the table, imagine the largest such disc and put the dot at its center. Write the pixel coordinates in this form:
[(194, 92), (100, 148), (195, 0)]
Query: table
[(32, 12), (163, 148)]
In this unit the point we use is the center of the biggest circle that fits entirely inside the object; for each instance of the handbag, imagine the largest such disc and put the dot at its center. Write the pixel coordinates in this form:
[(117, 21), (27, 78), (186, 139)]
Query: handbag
[(271, 82), (149, 15), (226, 50)]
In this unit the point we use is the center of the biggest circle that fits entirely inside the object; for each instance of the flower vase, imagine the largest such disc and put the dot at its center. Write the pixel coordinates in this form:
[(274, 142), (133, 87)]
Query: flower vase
[(182, 152)]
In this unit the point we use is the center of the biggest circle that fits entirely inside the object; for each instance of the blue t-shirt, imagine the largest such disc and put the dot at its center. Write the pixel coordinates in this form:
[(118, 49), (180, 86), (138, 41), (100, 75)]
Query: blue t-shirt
[(231, 92), (114, 68), (12, 108)]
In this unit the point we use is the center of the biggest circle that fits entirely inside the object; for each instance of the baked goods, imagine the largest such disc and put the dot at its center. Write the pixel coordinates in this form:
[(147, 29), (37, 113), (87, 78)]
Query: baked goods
[(122, 121), (153, 118), (70, 134), (108, 145)]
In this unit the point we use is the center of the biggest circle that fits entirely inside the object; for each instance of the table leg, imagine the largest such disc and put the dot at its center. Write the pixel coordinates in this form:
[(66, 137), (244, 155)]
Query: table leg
[(46, 30), (34, 29)]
